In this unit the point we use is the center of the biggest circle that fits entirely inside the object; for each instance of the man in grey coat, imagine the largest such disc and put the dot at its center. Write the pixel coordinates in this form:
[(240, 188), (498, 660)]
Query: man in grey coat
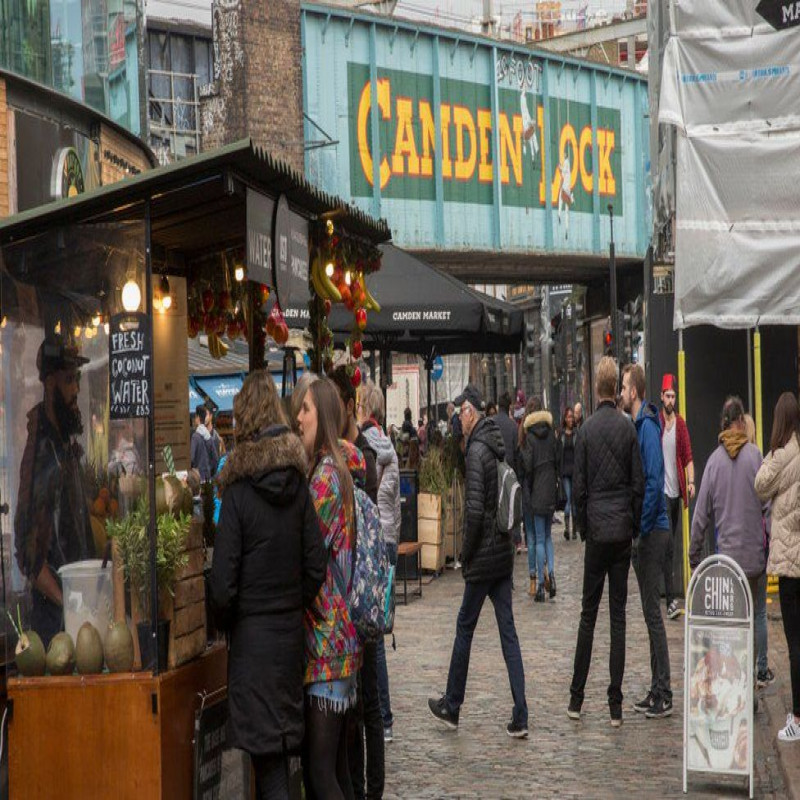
[(728, 502)]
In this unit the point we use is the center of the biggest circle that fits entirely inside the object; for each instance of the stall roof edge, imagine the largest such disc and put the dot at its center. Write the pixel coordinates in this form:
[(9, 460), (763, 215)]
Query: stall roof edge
[(242, 157)]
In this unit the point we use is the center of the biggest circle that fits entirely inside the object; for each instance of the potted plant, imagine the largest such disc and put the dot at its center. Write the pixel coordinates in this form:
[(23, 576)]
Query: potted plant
[(133, 542), (433, 486)]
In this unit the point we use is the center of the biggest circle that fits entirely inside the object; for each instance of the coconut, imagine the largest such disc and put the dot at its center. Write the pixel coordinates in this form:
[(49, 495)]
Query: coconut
[(119, 648), (89, 650), (29, 654), (61, 655)]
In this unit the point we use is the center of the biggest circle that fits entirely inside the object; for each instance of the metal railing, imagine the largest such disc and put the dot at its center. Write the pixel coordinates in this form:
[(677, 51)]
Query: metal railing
[(173, 112)]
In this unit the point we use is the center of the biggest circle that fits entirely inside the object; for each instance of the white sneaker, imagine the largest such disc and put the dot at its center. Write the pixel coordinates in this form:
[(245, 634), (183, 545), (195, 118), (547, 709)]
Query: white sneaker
[(791, 733)]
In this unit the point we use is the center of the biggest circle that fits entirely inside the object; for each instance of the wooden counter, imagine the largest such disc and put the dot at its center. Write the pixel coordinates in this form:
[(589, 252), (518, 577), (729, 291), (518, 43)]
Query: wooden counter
[(108, 736)]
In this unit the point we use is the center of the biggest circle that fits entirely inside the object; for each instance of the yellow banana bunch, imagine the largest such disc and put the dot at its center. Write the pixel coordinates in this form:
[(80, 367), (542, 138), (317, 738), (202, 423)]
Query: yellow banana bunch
[(323, 285), (216, 347), (371, 302)]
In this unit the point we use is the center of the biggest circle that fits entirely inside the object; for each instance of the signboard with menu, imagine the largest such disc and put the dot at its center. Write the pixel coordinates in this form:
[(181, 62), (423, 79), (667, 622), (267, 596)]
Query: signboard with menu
[(718, 700)]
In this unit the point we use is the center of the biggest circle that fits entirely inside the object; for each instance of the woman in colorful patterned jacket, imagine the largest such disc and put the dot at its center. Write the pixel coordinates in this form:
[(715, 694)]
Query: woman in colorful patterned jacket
[(333, 652)]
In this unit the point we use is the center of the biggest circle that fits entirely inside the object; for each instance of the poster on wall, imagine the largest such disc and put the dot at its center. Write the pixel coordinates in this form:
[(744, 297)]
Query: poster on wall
[(402, 394)]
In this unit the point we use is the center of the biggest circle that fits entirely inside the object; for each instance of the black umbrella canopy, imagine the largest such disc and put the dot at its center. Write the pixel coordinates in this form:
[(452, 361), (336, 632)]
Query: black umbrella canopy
[(425, 310)]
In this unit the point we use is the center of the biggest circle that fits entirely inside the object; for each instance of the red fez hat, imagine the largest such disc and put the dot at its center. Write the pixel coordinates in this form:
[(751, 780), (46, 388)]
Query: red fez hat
[(669, 383)]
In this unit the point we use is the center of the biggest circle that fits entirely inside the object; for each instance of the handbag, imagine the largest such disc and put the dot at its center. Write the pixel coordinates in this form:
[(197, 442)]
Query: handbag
[(561, 495)]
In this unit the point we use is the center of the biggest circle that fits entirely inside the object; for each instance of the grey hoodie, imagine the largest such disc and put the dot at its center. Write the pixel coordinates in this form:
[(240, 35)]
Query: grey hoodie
[(388, 482), (728, 500)]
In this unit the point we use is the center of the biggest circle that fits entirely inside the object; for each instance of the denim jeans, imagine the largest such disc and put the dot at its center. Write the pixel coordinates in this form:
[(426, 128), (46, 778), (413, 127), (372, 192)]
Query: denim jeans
[(601, 559), (530, 537), (543, 524), (566, 482), (499, 592), (648, 563), (758, 586), (383, 671)]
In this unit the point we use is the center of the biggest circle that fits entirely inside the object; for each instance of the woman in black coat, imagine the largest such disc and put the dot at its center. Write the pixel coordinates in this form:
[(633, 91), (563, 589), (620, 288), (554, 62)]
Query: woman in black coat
[(269, 563), (567, 452)]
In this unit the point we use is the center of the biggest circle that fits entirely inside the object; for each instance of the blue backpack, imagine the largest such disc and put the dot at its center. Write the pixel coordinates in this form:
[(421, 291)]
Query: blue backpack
[(370, 599)]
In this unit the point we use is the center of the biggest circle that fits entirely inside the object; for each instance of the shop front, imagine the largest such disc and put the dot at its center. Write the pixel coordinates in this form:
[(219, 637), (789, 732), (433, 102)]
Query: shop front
[(110, 656)]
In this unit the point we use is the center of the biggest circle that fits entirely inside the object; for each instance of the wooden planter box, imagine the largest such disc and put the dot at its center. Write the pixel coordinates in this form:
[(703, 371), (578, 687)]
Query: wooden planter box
[(186, 610), (430, 531)]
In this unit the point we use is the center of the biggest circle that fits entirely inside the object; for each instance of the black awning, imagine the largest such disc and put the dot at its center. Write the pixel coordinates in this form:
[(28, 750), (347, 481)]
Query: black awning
[(425, 310)]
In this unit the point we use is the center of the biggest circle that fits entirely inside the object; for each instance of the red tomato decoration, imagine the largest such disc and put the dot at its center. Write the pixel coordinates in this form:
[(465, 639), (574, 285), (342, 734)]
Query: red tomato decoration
[(361, 319), (328, 307), (281, 335), (355, 378), (346, 296), (209, 323), (233, 329), (208, 300), (356, 349), (271, 325)]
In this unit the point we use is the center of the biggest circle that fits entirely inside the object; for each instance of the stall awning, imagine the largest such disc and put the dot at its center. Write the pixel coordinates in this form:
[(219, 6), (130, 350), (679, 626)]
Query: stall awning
[(220, 389)]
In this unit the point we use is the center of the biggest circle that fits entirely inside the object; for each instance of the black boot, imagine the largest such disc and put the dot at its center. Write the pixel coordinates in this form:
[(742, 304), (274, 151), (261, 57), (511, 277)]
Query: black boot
[(574, 530), (566, 527), (539, 598), (552, 585)]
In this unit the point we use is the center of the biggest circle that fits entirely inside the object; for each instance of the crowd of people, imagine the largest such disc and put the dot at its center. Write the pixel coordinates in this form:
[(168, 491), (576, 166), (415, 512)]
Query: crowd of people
[(302, 680)]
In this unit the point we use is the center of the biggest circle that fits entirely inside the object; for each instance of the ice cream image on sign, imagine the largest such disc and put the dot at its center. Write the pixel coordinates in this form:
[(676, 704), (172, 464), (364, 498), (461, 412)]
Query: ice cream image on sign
[(718, 697)]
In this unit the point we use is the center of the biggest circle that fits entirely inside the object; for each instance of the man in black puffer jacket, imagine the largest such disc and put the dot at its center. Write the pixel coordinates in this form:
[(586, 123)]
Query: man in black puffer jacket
[(608, 489), (488, 559)]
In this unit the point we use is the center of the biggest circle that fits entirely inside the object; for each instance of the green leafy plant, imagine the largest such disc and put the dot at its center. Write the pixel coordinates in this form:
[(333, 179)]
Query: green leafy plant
[(432, 474), (133, 540), (454, 463)]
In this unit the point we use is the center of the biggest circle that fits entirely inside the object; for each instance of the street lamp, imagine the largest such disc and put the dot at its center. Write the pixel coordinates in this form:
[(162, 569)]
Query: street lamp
[(612, 265)]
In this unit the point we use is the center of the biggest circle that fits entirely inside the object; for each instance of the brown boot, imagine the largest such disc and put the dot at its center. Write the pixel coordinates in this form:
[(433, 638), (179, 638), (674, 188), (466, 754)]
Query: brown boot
[(532, 587)]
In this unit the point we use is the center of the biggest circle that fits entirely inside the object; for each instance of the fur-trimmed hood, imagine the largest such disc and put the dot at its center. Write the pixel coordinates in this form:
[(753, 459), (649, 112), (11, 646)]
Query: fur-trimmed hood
[(539, 421), (274, 463)]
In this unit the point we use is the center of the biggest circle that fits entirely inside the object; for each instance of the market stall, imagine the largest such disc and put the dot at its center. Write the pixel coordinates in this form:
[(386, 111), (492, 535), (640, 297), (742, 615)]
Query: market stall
[(110, 664)]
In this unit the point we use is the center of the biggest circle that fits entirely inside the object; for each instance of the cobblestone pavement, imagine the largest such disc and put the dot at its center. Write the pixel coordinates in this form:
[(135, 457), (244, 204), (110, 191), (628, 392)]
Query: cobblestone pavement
[(560, 758)]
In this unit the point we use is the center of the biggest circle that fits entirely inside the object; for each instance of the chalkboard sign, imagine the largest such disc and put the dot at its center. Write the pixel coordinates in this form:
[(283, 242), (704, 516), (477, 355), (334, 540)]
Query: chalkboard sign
[(130, 366), (290, 251), (210, 727)]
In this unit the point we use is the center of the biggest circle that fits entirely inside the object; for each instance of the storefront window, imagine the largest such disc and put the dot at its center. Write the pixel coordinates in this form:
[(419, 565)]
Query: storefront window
[(68, 463), (83, 48)]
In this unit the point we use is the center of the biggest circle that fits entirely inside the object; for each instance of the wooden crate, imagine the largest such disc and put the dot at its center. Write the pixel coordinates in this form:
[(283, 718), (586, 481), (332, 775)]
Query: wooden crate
[(429, 531), (429, 506), (187, 611), (432, 557)]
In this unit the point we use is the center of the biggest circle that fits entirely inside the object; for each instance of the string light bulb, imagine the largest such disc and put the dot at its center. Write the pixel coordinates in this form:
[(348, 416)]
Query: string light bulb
[(166, 297), (131, 296), (329, 269), (329, 227), (78, 331), (238, 273), (348, 277), (96, 320)]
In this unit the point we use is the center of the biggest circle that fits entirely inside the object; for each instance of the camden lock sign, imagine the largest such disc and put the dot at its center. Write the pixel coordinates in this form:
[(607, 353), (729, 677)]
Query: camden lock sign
[(407, 125), (718, 695)]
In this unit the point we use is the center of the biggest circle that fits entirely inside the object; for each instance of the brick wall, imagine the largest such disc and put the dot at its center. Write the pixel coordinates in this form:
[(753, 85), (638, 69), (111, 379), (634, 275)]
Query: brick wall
[(119, 157), (5, 175), (258, 90)]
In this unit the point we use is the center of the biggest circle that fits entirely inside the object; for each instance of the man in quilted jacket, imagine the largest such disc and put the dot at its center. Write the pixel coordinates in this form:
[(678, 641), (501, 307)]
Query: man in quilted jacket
[(487, 556), (608, 486)]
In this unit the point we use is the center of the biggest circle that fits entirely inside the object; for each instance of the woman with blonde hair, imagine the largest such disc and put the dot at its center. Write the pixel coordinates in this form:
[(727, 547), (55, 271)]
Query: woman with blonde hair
[(750, 429), (332, 651), (269, 563)]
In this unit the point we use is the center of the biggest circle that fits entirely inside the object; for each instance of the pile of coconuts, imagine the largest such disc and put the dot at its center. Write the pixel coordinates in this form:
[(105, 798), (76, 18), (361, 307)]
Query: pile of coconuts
[(87, 654)]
